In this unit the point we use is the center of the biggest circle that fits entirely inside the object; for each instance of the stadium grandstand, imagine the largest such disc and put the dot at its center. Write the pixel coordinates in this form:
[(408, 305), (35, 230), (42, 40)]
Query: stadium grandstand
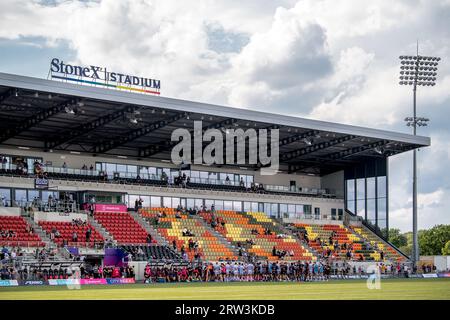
[(87, 182)]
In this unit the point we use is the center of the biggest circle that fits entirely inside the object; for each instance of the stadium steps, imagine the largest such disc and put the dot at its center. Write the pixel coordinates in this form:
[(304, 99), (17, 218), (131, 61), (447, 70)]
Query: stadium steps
[(170, 227), (379, 244), (238, 228), (60, 253), (105, 234), (289, 232), (39, 231), (218, 235), (158, 237)]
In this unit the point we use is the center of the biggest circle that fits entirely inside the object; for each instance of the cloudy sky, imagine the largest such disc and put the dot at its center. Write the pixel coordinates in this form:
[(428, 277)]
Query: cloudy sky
[(323, 59)]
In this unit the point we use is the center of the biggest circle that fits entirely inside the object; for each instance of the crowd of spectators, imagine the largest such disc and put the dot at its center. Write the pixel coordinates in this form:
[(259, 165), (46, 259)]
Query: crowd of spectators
[(38, 273)]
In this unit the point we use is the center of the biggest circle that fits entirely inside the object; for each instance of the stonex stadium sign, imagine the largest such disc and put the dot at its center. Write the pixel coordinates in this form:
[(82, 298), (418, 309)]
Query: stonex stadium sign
[(100, 76)]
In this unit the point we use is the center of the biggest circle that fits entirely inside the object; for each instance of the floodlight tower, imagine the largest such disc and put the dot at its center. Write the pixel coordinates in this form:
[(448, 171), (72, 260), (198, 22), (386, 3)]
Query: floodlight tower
[(417, 71)]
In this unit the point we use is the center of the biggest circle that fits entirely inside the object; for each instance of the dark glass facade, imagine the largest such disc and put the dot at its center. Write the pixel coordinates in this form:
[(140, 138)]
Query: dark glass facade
[(366, 193)]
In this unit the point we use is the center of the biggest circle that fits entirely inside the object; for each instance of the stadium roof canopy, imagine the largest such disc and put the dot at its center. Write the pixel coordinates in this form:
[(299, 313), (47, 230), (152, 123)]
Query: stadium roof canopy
[(51, 115)]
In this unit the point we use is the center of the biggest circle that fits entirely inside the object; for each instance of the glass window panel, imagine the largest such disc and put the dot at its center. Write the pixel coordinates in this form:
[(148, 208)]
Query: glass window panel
[(317, 213), (249, 181), (361, 208), (260, 207), (372, 223), (360, 189), (122, 168), (167, 202), (155, 202), (237, 205), (228, 205), (218, 204), (267, 208), (195, 174), (307, 208), (203, 175), (175, 202), (254, 206), (351, 189), (190, 203), (131, 200), (283, 210), (371, 209), (291, 209), (274, 210), (32, 194), (381, 187), (333, 214), (382, 226), (247, 206), (20, 196), (208, 203), (5, 197), (371, 188), (351, 206), (174, 173), (132, 169), (382, 209), (198, 203), (340, 214), (110, 168), (145, 201), (212, 175)]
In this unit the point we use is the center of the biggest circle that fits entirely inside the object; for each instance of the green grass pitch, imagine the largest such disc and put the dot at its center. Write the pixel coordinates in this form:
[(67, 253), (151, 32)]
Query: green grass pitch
[(337, 289)]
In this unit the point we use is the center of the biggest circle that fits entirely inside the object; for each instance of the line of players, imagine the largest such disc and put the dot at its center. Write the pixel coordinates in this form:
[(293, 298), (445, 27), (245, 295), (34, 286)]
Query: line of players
[(238, 271)]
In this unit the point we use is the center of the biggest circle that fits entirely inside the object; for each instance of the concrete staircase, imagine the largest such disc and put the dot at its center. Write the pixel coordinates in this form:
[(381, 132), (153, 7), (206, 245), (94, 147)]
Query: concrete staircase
[(105, 234), (61, 252), (218, 235), (39, 231), (287, 231), (147, 227), (376, 238)]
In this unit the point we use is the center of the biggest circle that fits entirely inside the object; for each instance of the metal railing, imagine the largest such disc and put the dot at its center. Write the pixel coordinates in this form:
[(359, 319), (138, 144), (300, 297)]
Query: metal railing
[(40, 205), (21, 243), (170, 179)]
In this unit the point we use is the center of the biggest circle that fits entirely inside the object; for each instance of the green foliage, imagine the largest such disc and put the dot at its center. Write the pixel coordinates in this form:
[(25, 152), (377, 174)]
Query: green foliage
[(397, 238), (406, 250), (432, 241), (446, 249)]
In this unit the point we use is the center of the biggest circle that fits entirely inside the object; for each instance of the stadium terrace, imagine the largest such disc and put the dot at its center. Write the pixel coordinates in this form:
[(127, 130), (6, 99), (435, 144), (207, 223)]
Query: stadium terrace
[(87, 172)]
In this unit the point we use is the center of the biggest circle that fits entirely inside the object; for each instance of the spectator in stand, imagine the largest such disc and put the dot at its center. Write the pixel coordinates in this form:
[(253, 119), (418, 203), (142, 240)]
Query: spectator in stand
[(88, 234), (74, 237), (4, 162)]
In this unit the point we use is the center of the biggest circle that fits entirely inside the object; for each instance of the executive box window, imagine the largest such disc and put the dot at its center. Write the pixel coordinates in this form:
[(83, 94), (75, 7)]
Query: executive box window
[(350, 195), (5, 197), (366, 194)]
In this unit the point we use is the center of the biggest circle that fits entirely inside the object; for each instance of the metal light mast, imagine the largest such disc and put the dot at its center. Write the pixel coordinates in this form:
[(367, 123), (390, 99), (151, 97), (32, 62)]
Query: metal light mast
[(417, 71)]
